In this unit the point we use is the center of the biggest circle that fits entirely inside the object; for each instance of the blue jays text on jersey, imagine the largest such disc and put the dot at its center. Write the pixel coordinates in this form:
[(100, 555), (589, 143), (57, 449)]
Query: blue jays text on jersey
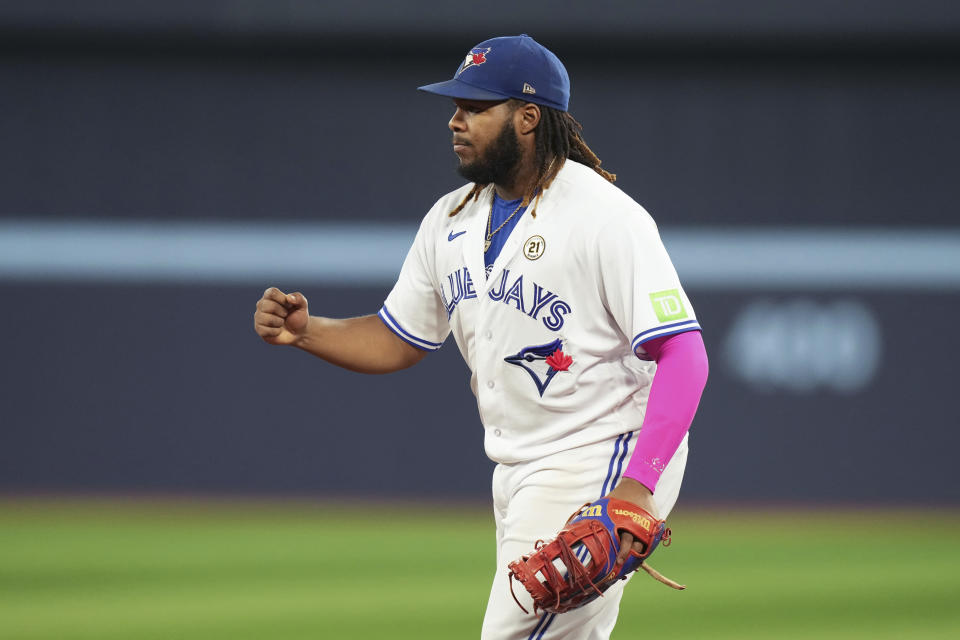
[(531, 299)]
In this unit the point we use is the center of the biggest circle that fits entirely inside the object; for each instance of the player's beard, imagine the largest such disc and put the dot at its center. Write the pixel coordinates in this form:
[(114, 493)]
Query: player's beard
[(498, 162)]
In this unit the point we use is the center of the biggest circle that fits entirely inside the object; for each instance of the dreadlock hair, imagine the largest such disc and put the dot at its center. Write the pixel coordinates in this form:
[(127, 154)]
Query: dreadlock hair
[(558, 137)]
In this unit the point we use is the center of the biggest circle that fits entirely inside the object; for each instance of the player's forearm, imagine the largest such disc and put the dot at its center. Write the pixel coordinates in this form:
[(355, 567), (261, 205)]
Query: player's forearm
[(682, 370), (361, 344)]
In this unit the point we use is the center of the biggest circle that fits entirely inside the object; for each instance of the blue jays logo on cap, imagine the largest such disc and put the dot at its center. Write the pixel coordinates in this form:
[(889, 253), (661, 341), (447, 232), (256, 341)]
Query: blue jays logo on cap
[(475, 57), (509, 67)]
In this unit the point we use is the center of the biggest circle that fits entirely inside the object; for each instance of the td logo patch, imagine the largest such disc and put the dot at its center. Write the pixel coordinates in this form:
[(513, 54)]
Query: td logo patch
[(668, 305)]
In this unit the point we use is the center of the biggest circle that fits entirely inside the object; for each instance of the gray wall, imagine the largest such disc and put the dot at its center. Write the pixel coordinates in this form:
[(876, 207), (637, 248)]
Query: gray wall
[(233, 113)]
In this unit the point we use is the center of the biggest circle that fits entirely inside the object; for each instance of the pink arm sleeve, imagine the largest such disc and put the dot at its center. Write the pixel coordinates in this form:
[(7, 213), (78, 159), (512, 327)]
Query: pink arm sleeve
[(674, 396)]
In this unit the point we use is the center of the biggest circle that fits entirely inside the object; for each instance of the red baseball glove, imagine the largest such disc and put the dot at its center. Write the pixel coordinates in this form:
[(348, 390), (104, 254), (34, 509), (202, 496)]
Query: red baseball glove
[(580, 564)]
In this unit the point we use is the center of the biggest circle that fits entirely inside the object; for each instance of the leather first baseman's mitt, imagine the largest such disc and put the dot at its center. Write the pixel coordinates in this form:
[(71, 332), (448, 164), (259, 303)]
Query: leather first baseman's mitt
[(580, 563)]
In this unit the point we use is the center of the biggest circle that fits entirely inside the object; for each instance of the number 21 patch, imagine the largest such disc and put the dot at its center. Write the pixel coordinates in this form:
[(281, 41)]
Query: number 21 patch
[(668, 305), (534, 247)]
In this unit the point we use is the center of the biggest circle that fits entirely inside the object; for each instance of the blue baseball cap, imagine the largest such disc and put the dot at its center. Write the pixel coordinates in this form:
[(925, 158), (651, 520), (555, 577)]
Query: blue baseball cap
[(509, 67)]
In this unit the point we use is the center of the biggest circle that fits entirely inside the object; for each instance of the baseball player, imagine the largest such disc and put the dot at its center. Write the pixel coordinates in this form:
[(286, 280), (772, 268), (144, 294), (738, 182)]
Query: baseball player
[(585, 353)]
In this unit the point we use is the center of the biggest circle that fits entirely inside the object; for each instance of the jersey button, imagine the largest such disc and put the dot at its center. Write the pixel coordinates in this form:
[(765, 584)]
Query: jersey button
[(496, 432), (489, 335), (490, 384)]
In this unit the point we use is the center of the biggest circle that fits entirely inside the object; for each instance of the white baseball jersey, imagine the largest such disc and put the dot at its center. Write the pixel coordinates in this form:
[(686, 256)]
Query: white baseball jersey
[(552, 336)]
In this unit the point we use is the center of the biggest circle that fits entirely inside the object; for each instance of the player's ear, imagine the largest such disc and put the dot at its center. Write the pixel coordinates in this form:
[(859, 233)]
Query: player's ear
[(528, 117)]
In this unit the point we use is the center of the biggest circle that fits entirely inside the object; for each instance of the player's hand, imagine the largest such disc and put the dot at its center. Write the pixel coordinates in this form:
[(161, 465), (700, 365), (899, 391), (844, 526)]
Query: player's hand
[(632, 491), (281, 318)]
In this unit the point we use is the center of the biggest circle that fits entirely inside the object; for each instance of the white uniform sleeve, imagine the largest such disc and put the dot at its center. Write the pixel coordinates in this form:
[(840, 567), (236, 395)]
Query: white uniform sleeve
[(414, 310), (638, 282)]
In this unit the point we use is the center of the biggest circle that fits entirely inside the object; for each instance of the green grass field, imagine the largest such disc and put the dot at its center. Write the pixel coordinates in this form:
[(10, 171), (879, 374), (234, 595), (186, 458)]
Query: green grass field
[(282, 571)]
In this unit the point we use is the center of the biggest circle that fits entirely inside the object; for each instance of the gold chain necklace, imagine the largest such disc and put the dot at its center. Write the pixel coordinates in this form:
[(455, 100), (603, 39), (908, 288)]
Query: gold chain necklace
[(490, 234)]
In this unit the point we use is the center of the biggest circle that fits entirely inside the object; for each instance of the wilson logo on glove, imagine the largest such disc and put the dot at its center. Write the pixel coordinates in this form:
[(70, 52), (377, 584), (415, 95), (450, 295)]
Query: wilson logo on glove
[(587, 548), (592, 511), (644, 522)]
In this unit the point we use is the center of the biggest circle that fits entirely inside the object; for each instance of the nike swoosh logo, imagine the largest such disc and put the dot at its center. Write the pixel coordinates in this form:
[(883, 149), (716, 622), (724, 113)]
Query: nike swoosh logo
[(453, 235)]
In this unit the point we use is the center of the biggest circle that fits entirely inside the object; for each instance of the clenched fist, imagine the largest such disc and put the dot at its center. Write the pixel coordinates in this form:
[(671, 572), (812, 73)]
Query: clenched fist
[(281, 318)]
